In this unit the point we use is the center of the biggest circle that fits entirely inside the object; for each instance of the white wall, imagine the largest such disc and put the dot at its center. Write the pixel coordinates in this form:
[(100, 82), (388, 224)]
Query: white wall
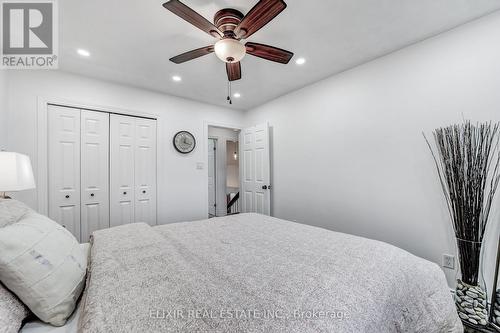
[(222, 135), (182, 188), (3, 109), (348, 152)]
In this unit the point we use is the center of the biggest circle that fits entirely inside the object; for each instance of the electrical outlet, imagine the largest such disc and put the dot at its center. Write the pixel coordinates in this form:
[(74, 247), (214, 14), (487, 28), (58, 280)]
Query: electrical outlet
[(448, 261)]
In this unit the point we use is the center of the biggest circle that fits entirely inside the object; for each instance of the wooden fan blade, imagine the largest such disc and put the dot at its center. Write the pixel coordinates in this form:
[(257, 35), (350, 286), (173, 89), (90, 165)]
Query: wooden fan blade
[(269, 52), (233, 70), (186, 13), (190, 55), (260, 15)]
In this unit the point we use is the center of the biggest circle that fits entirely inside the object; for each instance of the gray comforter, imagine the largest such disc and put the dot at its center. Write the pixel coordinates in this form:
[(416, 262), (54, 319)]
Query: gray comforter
[(253, 273)]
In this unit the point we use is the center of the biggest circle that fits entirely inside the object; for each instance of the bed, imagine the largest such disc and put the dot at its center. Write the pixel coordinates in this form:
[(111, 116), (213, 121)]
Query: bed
[(254, 273)]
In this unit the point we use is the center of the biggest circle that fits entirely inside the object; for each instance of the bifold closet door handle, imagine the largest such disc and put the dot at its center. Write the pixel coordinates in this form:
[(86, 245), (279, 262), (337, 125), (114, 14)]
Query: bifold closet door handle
[(91, 194), (124, 193), (264, 187), (67, 196), (144, 192)]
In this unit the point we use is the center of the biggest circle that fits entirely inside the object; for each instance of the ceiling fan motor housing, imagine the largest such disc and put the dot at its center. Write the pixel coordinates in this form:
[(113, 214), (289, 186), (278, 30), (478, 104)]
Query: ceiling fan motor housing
[(227, 19)]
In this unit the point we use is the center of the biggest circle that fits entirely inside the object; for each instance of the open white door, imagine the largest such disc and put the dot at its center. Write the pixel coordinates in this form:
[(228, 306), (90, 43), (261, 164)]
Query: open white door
[(211, 177), (255, 170)]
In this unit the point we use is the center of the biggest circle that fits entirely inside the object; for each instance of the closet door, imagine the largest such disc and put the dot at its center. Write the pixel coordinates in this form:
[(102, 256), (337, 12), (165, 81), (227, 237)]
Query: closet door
[(145, 171), (94, 172), (122, 165), (64, 167)]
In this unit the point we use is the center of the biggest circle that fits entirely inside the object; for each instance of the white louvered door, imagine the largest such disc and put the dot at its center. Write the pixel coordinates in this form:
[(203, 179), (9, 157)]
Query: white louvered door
[(145, 171), (64, 167), (94, 172), (122, 165), (255, 170)]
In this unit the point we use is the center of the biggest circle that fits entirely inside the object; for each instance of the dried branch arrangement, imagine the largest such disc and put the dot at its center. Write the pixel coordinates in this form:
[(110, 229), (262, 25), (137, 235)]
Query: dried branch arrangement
[(468, 160)]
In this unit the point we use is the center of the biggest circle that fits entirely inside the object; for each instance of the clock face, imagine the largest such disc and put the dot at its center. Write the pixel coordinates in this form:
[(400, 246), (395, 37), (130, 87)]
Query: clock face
[(184, 142)]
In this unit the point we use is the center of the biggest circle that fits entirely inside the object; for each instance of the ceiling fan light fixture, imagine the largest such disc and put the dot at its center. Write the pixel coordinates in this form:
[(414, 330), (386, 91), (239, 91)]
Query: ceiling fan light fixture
[(230, 50)]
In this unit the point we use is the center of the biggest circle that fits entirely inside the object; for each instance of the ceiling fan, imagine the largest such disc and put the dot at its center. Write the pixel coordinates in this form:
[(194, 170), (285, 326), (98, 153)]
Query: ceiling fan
[(231, 26)]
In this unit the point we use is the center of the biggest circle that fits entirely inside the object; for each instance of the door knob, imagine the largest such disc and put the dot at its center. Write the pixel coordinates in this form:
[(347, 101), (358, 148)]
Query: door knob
[(144, 192), (67, 196), (124, 193), (91, 194), (264, 187)]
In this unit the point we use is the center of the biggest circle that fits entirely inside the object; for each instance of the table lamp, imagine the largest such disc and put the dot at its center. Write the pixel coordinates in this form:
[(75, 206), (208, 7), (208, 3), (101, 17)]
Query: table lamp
[(16, 173)]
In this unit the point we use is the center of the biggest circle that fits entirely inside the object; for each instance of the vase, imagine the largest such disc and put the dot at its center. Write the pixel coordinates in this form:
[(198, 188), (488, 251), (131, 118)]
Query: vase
[(495, 300), (495, 311), (471, 304), (470, 296)]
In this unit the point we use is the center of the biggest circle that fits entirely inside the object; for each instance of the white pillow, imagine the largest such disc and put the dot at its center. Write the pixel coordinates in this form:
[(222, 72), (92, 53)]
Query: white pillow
[(43, 264), (11, 211)]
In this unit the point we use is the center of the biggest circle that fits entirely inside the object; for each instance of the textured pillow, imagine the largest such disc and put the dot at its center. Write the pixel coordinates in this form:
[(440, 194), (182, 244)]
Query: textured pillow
[(12, 312), (43, 264), (11, 211)]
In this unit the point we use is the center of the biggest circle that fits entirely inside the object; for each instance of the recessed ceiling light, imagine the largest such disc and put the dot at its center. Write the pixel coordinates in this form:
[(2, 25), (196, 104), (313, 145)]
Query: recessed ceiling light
[(83, 53), (237, 95), (300, 61), (176, 78)]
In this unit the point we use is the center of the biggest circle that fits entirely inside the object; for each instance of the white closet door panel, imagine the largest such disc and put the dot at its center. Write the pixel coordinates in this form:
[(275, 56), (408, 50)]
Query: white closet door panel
[(122, 165), (64, 167), (145, 171), (95, 172)]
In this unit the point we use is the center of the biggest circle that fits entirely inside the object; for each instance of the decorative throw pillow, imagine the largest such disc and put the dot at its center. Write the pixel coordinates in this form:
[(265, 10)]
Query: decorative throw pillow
[(11, 211), (12, 311), (43, 264)]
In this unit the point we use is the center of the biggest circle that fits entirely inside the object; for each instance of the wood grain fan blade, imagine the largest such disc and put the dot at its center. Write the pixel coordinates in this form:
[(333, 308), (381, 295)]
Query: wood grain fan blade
[(190, 55), (186, 13), (233, 70), (269, 52), (260, 15)]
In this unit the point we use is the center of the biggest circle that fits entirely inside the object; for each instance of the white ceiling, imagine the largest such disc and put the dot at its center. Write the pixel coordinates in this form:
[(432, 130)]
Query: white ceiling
[(131, 41)]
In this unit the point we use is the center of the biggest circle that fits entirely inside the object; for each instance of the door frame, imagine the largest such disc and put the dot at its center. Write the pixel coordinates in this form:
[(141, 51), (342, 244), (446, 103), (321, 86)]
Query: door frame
[(216, 161), (42, 148), (206, 125)]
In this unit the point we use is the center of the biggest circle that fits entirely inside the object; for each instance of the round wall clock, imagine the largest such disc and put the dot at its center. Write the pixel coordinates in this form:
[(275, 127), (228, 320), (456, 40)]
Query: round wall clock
[(184, 142)]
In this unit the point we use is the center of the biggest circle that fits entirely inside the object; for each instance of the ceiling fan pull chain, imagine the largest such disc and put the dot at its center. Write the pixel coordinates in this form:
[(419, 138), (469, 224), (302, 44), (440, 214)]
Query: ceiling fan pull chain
[(229, 92)]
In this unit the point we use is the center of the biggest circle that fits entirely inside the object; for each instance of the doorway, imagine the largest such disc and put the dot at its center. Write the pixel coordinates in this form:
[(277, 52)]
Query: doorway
[(223, 171), (232, 177)]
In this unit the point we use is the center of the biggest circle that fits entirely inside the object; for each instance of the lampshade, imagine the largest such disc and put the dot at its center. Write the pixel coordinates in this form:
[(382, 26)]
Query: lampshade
[(230, 50), (16, 173)]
